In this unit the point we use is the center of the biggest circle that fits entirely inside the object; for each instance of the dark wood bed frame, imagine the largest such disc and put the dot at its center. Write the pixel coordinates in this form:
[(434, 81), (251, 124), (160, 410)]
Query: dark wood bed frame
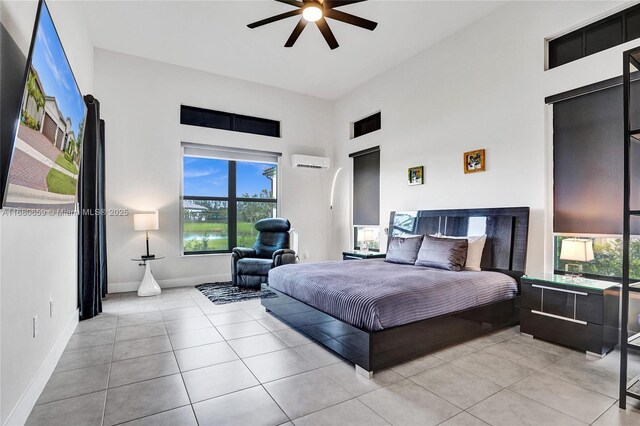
[(505, 251)]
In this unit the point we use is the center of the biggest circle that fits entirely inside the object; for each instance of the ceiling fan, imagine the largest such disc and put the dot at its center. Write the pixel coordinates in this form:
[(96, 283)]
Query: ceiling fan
[(316, 11)]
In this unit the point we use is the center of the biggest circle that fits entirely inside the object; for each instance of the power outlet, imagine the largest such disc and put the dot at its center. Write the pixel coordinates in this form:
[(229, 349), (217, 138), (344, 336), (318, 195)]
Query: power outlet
[(35, 326)]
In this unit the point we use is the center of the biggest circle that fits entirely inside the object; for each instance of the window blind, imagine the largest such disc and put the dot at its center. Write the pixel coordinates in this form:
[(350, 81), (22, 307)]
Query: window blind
[(366, 187), (588, 143), (230, 153)]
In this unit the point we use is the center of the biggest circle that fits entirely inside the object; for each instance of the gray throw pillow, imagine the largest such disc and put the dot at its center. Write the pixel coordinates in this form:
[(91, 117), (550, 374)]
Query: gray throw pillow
[(403, 250), (443, 253)]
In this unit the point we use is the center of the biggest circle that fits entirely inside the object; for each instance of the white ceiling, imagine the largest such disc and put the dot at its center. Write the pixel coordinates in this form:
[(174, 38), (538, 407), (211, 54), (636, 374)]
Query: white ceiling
[(213, 36)]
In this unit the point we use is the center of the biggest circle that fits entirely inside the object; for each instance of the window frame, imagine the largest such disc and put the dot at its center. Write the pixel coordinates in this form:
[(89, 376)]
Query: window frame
[(229, 121), (611, 278), (624, 15), (374, 120), (356, 246), (232, 200)]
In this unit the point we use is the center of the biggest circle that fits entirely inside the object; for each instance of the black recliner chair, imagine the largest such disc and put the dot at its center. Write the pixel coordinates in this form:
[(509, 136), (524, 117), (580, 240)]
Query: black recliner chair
[(250, 266)]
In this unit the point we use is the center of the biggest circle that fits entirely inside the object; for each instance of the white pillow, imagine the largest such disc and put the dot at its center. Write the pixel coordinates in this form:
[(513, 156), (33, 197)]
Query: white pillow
[(474, 250)]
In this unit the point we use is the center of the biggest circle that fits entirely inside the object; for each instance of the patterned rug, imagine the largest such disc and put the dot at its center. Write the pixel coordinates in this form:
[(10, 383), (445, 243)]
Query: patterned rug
[(224, 292)]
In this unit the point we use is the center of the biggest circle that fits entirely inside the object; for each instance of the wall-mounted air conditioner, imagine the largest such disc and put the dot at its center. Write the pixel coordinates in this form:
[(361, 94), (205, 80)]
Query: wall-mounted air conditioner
[(310, 161)]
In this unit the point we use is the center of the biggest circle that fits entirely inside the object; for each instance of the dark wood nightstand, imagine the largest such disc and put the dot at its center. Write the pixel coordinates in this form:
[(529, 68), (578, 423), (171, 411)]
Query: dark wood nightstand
[(580, 313), (361, 255)]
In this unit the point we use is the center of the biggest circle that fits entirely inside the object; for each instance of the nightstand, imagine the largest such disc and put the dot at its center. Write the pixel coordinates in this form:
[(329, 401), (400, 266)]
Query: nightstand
[(361, 255), (580, 313)]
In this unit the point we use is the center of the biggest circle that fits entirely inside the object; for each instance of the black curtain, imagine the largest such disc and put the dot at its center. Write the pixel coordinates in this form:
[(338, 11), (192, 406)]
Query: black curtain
[(92, 243), (12, 66)]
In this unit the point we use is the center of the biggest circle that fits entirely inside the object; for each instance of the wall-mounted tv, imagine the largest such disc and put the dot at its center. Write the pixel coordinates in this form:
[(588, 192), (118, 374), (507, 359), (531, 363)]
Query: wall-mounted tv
[(47, 146)]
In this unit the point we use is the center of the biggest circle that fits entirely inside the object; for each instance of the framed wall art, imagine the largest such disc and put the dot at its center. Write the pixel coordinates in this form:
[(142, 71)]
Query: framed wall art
[(416, 175), (474, 161)]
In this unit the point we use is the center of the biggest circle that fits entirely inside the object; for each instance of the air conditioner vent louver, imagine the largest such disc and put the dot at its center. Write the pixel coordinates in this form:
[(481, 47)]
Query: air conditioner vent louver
[(310, 161)]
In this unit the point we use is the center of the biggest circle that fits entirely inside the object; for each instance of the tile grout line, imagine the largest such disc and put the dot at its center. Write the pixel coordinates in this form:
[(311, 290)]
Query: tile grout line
[(252, 373), (113, 348), (272, 333), (261, 384), (150, 415), (603, 413), (184, 383), (167, 375)]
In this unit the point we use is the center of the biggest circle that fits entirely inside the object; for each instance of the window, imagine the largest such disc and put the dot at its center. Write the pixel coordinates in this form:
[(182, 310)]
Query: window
[(202, 117), (601, 35), (366, 198), (366, 238), (223, 197), (367, 125), (607, 252)]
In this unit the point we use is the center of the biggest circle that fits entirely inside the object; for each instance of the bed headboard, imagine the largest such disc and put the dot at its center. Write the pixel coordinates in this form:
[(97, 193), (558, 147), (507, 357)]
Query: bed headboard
[(506, 228)]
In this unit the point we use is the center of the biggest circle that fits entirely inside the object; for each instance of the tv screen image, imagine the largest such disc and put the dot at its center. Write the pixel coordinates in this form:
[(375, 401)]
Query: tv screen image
[(45, 161)]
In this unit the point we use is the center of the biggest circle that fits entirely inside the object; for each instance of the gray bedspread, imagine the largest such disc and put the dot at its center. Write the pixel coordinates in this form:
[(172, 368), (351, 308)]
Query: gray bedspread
[(374, 295)]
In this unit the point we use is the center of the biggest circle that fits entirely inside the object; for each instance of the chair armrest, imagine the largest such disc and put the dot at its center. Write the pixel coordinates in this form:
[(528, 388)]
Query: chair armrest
[(283, 257), (241, 252), (280, 252)]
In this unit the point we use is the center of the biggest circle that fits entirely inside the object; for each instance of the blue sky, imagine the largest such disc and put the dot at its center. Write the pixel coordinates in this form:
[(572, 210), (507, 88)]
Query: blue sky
[(54, 71), (209, 177)]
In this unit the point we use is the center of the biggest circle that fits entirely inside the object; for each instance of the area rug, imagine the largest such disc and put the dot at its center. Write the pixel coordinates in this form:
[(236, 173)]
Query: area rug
[(224, 292)]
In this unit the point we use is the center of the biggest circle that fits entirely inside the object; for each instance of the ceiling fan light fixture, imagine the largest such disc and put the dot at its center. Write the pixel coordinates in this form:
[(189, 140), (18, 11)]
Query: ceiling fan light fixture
[(316, 11), (312, 12)]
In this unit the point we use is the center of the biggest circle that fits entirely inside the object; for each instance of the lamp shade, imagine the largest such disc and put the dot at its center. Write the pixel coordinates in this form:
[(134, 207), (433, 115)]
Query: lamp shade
[(577, 250), (145, 221), (368, 234)]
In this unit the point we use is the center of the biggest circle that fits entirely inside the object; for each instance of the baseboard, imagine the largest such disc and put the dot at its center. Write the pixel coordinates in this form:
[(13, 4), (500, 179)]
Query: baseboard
[(30, 396), (175, 282)]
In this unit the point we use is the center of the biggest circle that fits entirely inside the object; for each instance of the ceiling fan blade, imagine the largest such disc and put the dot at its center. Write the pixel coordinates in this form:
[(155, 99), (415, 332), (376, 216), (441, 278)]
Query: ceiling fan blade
[(330, 4), (350, 19), (327, 33), (292, 2), (296, 33), (275, 18)]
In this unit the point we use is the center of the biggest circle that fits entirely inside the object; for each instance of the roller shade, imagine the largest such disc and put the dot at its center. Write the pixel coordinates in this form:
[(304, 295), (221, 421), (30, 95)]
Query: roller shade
[(229, 153), (366, 187), (588, 143)]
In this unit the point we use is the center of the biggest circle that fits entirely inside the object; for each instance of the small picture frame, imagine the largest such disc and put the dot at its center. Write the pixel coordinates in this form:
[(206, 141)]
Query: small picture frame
[(416, 175), (474, 161)]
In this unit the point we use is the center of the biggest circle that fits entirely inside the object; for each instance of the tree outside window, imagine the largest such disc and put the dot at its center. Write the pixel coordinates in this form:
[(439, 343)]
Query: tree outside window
[(607, 252)]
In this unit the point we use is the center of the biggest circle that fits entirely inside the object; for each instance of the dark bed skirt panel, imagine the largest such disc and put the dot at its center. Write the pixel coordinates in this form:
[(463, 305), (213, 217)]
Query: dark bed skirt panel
[(376, 350)]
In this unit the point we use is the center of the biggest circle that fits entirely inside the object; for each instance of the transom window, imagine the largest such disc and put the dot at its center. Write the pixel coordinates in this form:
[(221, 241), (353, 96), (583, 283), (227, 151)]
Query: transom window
[(223, 199)]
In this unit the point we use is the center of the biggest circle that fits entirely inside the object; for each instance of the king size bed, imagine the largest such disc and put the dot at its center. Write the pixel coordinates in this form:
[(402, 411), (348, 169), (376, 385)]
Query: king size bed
[(377, 314)]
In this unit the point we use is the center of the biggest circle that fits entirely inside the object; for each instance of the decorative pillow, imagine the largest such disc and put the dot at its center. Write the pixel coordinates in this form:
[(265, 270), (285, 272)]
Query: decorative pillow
[(474, 252), (443, 253), (403, 250)]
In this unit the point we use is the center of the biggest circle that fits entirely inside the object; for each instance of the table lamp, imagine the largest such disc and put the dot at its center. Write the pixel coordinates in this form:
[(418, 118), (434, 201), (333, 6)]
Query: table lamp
[(367, 238), (146, 222), (576, 250)]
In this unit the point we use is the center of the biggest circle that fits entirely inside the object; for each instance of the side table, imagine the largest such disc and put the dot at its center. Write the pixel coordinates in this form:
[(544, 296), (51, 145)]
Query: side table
[(149, 286), (362, 255)]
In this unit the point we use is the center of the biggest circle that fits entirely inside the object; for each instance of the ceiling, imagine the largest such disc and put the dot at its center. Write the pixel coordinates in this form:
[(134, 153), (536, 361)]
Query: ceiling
[(213, 36)]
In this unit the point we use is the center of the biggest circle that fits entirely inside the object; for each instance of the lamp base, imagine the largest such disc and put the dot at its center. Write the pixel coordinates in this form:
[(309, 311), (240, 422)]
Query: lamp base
[(148, 256), (573, 272)]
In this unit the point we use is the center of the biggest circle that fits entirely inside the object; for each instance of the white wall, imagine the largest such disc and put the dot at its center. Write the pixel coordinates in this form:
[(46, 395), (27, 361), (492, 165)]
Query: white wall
[(38, 254), (483, 87), (140, 102)]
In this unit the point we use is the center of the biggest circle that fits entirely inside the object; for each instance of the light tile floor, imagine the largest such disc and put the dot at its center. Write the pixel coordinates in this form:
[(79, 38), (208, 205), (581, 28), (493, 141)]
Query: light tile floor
[(177, 359)]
